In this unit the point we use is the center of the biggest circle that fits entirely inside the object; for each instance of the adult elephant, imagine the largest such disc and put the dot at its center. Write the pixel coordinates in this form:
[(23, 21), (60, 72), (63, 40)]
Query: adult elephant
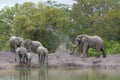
[(14, 43), (31, 45), (90, 42), (43, 55)]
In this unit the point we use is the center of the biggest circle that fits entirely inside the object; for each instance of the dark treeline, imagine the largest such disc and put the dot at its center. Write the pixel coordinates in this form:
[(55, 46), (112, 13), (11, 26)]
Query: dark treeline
[(53, 23)]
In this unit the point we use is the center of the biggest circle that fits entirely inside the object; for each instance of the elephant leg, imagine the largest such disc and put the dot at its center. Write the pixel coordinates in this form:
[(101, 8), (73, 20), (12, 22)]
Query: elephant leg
[(85, 50), (20, 58), (14, 48), (46, 60), (42, 59), (11, 49), (15, 56), (29, 62), (39, 56), (103, 51), (84, 53), (24, 59)]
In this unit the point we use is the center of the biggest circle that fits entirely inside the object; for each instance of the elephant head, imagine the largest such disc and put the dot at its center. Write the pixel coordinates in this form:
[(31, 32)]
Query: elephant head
[(28, 44), (79, 40), (15, 42), (20, 41)]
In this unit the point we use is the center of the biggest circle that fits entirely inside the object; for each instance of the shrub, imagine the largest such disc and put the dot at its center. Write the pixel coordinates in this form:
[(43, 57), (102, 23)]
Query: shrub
[(112, 47)]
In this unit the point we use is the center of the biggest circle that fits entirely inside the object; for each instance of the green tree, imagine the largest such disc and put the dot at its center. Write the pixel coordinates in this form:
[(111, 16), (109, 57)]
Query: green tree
[(6, 24), (37, 21), (91, 17)]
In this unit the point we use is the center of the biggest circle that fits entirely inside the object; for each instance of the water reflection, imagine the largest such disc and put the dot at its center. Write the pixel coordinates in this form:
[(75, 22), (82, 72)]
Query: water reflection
[(31, 74), (59, 74), (43, 74), (24, 74)]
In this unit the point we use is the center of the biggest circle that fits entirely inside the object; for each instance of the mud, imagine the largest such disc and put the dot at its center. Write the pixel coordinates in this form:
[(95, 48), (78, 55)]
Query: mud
[(62, 59)]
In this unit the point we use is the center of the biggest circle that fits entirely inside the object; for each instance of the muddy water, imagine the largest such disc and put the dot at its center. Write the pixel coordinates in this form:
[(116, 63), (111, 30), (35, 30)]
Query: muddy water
[(59, 74)]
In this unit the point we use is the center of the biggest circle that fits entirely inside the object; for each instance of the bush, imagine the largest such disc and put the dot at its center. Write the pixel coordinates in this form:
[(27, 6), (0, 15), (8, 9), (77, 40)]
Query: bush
[(112, 47), (92, 52)]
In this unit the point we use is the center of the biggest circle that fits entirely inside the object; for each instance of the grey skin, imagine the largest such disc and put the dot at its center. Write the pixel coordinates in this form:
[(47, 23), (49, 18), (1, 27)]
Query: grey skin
[(24, 56), (14, 43), (43, 55), (31, 46), (90, 42)]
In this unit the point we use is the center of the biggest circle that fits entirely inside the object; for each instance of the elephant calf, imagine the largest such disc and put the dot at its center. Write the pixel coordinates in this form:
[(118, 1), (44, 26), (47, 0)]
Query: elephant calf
[(21, 52), (90, 42), (42, 54), (28, 58), (24, 56)]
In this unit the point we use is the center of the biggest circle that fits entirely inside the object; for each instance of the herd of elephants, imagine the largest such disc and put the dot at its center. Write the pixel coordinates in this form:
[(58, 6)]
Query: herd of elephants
[(23, 48)]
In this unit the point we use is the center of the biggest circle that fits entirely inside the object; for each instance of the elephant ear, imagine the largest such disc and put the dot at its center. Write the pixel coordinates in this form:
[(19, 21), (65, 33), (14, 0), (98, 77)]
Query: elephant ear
[(84, 38)]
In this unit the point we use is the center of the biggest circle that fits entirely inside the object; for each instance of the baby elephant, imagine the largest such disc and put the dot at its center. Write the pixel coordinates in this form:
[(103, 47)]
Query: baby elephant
[(28, 58), (21, 52), (42, 54), (24, 56)]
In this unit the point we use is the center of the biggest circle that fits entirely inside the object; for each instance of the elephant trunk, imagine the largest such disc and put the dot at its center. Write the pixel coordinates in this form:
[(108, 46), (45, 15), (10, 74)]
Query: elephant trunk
[(73, 49)]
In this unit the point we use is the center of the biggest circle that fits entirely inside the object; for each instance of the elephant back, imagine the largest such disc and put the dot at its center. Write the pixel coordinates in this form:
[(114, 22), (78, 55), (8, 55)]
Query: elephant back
[(35, 45), (42, 49), (13, 40)]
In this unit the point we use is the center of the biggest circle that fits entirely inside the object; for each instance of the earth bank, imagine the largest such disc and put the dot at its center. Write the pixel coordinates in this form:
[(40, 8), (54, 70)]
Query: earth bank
[(62, 59)]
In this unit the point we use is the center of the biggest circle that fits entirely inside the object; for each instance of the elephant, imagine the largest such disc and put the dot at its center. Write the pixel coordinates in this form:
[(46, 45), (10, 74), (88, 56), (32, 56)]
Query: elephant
[(24, 56), (21, 52), (31, 45), (28, 58), (90, 42), (14, 43), (43, 55)]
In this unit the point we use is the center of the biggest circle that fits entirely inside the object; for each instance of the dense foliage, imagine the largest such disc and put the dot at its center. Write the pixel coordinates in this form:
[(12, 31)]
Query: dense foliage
[(52, 23)]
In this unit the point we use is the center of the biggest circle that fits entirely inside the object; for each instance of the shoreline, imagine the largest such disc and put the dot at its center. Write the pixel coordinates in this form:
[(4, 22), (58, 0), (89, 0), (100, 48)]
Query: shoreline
[(63, 60)]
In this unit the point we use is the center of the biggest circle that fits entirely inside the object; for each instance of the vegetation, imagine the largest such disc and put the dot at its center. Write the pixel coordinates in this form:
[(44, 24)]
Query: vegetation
[(52, 23)]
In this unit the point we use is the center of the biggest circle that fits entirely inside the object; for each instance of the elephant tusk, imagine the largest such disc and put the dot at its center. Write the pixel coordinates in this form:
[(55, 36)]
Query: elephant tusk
[(74, 46)]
